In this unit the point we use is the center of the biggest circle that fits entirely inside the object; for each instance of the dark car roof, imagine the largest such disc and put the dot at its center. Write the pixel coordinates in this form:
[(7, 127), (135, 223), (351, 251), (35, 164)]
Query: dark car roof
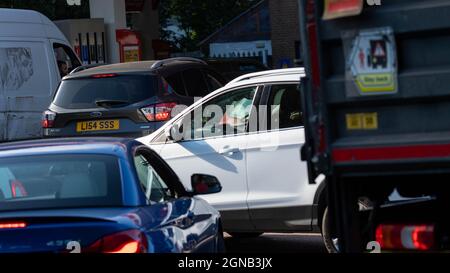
[(236, 61), (114, 68), (97, 145), (136, 67)]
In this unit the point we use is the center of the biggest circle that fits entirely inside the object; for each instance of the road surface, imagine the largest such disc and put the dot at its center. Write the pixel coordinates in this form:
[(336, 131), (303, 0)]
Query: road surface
[(277, 243)]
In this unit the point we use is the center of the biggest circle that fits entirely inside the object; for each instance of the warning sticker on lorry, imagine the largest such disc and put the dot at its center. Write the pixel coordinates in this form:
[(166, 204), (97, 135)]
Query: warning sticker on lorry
[(371, 62)]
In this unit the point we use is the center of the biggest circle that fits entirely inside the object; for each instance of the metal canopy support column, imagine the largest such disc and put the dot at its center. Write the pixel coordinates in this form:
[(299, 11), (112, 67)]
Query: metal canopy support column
[(114, 14)]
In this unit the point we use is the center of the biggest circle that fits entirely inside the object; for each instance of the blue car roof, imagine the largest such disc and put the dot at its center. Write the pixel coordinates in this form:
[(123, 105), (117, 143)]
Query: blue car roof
[(109, 146)]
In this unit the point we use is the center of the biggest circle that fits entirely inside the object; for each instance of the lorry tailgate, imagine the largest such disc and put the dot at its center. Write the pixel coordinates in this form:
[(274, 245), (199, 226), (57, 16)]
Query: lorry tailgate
[(380, 81)]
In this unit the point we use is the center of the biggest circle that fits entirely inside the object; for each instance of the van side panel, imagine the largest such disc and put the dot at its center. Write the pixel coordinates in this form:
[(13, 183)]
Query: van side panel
[(26, 85), (28, 71)]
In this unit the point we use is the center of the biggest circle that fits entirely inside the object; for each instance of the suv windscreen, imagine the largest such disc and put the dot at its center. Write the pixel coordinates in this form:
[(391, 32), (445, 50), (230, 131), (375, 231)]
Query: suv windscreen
[(84, 93)]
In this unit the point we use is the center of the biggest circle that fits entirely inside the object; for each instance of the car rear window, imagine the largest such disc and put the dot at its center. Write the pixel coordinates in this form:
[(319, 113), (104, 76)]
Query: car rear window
[(83, 93), (59, 181)]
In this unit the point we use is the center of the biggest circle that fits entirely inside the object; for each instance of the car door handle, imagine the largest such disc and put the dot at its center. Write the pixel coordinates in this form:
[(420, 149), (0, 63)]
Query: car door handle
[(228, 151)]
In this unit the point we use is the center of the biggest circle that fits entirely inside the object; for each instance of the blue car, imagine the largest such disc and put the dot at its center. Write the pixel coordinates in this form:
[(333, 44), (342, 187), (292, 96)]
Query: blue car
[(101, 195)]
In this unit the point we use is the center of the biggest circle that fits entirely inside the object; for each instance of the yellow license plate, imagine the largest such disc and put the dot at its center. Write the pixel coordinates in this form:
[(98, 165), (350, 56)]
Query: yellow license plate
[(98, 125)]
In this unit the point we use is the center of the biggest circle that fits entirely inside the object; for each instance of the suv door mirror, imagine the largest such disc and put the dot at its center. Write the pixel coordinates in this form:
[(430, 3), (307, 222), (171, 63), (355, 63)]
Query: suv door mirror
[(205, 184), (172, 133)]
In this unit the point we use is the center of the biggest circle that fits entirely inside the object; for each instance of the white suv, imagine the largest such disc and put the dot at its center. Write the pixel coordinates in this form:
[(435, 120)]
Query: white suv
[(256, 157)]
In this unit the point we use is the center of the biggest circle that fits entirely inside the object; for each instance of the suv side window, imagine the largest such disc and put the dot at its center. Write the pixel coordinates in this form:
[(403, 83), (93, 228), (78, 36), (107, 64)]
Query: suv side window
[(176, 82), (284, 106), (235, 108), (65, 59), (155, 189), (195, 83)]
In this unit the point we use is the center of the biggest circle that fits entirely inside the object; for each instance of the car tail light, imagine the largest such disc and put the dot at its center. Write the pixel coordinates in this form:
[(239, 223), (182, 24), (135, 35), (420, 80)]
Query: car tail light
[(406, 237), (48, 119), (12, 225), (102, 76), (149, 113), (159, 112), (131, 241)]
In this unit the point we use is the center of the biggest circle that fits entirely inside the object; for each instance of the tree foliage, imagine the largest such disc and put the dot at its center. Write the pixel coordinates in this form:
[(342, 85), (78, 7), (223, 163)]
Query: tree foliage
[(53, 9), (197, 18)]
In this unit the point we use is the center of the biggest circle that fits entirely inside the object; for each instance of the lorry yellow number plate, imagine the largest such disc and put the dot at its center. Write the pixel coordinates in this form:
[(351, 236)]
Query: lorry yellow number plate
[(98, 125), (362, 121)]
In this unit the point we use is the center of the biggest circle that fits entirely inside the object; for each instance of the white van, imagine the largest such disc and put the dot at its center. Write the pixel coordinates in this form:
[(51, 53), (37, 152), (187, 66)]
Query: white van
[(34, 55)]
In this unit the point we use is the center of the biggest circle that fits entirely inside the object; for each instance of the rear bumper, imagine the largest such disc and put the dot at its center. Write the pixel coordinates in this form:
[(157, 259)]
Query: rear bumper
[(129, 131)]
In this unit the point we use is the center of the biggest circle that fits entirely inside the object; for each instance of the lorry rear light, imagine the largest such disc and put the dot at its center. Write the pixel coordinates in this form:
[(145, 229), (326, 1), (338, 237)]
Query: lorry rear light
[(48, 119), (405, 237), (159, 112), (131, 241), (422, 151)]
